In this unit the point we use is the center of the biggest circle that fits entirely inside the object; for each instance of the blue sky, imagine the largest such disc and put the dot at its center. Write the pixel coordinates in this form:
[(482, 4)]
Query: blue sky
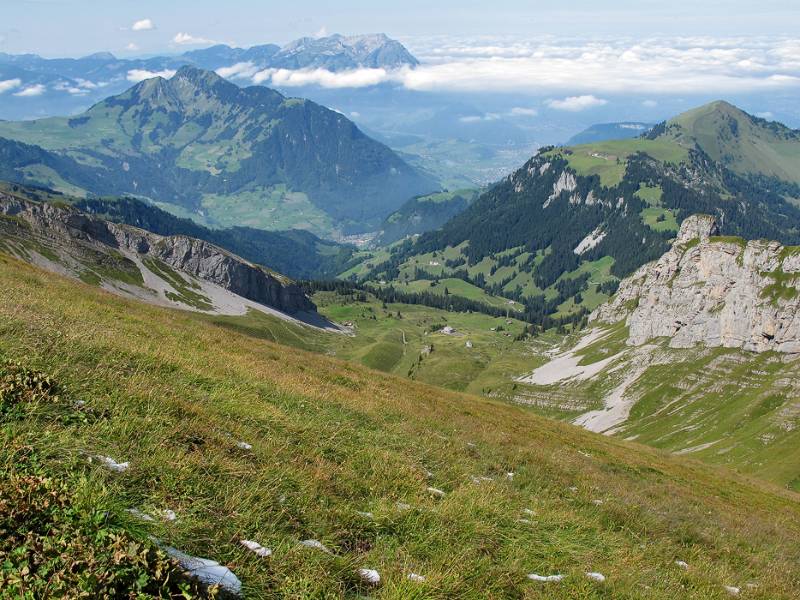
[(78, 27)]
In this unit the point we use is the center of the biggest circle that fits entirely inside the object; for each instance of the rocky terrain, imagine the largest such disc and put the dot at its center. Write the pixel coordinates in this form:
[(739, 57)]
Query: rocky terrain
[(167, 270), (712, 290)]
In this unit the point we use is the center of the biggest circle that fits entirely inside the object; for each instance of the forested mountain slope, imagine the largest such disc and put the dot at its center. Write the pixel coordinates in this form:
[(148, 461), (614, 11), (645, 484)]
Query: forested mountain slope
[(582, 217), (225, 155)]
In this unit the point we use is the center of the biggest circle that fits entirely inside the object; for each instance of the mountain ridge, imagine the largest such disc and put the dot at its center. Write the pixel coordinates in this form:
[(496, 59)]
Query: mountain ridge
[(165, 270), (196, 139), (583, 217)]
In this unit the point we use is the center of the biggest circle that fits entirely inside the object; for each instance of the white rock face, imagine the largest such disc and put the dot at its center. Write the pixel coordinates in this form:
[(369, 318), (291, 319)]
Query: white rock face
[(719, 292), (566, 183), (590, 241)]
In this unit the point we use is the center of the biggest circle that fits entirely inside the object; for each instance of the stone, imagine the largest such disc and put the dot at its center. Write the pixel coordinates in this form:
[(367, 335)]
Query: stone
[(715, 292)]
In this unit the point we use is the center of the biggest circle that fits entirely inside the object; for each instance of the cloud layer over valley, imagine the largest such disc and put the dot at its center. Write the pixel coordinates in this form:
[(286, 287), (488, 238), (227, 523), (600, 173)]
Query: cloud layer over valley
[(579, 71)]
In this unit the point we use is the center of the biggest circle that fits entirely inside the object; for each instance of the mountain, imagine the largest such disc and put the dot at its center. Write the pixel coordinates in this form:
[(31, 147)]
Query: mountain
[(131, 431), (340, 53), (558, 234), (224, 155), (609, 131), (295, 253), (175, 271), (715, 291), (424, 213), (71, 84), (745, 144)]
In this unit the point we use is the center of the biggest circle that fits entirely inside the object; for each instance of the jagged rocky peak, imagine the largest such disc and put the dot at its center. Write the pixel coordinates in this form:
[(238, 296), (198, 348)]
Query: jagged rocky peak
[(713, 291)]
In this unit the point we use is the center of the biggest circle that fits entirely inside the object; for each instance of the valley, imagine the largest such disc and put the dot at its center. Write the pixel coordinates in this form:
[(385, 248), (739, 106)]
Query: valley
[(472, 317)]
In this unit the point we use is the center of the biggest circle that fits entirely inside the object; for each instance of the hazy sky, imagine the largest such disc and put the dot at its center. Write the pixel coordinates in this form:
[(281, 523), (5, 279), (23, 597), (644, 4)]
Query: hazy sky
[(79, 27)]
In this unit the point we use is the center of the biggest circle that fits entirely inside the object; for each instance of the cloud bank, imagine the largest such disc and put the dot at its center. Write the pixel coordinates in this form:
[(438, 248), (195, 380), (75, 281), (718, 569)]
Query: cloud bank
[(670, 66)]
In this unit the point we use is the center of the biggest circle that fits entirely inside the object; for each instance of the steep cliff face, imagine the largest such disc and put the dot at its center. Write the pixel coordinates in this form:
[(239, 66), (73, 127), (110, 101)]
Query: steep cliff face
[(715, 291), (76, 243)]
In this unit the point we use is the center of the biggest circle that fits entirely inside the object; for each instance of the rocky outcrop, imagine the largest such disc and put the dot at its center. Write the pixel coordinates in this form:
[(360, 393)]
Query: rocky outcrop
[(71, 229), (715, 291)]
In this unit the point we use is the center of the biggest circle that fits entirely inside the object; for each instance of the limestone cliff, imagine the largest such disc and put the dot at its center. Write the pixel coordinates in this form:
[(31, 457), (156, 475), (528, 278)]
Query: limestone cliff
[(715, 291), (75, 243)]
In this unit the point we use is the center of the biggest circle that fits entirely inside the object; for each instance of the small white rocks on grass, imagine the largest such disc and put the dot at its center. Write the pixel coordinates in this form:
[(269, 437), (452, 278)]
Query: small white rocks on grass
[(167, 515), (524, 521), (244, 446), (598, 577), (510, 476), (142, 516), (436, 492), (733, 591), (529, 512), (545, 578), (316, 545), (370, 576), (112, 465), (402, 506), (365, 515), (482, 479), (208, 572), (416, 578), (256, 548), (682, 564), (597, 502)]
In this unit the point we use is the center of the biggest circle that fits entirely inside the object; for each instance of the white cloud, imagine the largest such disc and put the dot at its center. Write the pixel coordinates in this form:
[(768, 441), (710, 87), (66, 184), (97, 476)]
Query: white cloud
[(132, 47), (137, 75), (37, 89), (577, 103), (245, 70), (323, 32), (766, 115), (322, 77), (185, 39), (9, 84), (355, 114), (649, 103), (143, 25), (518, 111)]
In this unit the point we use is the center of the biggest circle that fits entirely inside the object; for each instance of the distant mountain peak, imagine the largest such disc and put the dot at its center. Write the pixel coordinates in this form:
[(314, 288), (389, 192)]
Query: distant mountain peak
[(345, 52), (105, 56)]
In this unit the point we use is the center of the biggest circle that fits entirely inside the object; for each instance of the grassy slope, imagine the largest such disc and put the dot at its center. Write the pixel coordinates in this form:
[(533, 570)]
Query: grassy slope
[(723, 406), (330, 439), (751, 148)]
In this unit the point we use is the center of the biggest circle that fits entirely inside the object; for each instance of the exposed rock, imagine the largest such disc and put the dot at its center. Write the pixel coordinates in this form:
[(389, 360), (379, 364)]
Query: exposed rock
[(565, 183), (716, 291), (206, 571), (84, 235)]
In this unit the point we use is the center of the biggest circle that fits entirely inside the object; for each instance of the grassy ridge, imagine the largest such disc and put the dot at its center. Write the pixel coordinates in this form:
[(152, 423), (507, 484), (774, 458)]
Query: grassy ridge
[(330, 439)]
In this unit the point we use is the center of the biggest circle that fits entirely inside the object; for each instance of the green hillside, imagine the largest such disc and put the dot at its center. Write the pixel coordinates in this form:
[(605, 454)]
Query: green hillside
[(745, 144), (470, 494), (203, 147)]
